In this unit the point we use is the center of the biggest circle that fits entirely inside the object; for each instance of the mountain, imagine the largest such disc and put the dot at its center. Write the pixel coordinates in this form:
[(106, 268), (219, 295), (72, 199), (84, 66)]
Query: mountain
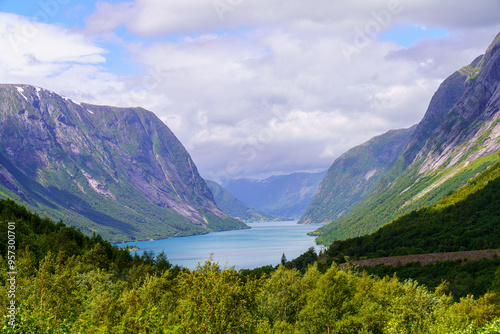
[(456, 240), (119, 172), (344, 187), (235, 208), (456, 139), (466, 220), (354, 174), (284, 195)]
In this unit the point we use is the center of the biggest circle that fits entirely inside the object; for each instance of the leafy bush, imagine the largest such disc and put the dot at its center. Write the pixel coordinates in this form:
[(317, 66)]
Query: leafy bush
[(97, 288)]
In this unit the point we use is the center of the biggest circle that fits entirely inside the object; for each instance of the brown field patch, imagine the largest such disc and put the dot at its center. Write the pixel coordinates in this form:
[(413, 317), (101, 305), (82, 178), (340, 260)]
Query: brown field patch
[(427, 258)]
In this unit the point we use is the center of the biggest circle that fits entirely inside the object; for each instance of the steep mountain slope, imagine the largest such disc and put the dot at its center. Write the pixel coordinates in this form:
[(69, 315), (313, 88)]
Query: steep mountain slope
[(116, 171), (284, 195), (455, 240), (235, 208), (449, 146), (466, 220), (354, 174)]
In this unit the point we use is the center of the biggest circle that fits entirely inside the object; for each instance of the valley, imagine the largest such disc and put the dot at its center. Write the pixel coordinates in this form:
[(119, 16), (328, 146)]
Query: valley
[(109, 225), (283, 195)]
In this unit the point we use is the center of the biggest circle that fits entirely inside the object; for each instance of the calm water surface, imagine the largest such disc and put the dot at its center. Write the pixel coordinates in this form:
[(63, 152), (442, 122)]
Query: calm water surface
[(261, 245)]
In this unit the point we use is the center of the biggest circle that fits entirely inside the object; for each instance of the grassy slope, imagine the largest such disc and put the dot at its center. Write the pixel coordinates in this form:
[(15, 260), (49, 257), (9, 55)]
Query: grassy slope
[(93, 213), (467, 219), (408, 192)]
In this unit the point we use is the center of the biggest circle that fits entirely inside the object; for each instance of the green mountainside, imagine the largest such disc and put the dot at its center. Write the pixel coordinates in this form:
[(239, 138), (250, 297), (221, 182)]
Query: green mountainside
[(235, 208), (119, 172), (285, 196), (353, 175), (465, 222), (449, 146), (467, 219)]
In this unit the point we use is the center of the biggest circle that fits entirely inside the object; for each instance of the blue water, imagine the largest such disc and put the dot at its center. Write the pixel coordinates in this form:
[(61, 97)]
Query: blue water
[(261, 245)]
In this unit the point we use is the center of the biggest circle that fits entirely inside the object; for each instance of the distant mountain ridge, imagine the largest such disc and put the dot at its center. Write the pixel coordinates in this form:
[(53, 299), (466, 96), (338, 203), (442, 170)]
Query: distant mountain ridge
[(456, 139), (286, 196), (120, 172), (235, 208)]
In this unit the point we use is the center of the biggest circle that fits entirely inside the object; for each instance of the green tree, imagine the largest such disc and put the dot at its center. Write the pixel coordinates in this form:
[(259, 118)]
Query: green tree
[(328, 303), (469, 313), (279, 298), (212, 300), (410, 309), (496, 282), (283, 259)]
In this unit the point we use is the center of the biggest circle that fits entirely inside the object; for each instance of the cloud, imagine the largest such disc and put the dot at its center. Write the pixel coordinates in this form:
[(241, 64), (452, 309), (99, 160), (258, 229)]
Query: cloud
[(453, 14), (164, 17), (30, 48), (253, 88), (237, 81), (108, 17), (65, 61), (431, 57), (240, 60)]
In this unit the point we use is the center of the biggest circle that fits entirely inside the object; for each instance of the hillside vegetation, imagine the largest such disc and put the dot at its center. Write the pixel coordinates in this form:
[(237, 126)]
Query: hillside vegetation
[(406, 195), (67, 282), (460, 278), (467, 219)]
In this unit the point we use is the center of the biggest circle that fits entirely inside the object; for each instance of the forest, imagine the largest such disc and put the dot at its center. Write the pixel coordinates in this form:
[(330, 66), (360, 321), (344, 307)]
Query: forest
[(67, 282)]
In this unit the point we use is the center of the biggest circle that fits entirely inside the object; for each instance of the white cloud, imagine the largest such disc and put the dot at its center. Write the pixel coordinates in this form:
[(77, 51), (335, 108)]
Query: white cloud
[(31, 48), (65, 61), (262, 86), (108, 17), (164, 17), (452, 14)]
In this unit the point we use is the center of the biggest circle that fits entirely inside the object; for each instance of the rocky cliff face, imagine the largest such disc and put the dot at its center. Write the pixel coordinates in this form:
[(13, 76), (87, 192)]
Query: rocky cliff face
[(117, 171), (470, 130), (448, 93), (354, 174), (457, 138)]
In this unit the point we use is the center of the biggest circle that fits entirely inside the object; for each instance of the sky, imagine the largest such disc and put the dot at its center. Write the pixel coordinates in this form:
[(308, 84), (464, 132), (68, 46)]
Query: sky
[(252, 88)]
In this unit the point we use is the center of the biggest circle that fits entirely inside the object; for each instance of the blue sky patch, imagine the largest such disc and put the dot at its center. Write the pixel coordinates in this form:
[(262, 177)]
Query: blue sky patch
[(407, 36)]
